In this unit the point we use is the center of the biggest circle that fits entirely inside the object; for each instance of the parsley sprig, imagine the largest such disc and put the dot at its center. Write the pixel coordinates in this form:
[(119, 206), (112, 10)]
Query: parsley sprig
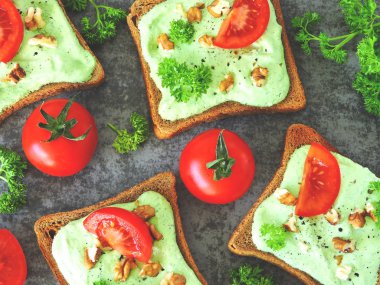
[(363, 23), (249, 275), (275, 236), (181, 31), (107, 18)]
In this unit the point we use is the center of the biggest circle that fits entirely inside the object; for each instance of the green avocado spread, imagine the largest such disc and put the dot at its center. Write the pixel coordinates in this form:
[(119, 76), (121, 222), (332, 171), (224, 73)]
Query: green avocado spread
[(311, 249), (68, 62), (266, 52), (71, 241)]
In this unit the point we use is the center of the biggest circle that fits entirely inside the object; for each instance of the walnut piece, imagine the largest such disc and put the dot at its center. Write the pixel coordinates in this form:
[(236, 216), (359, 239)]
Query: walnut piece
[(194, 15), (123, 268), (16, 74), (200, 5), (218, 8), (206, 41), (339, 259), (333, 217), (145, 212), (33, 19), (285, 197), (346, 246), (91, 256), (44, 41), (357, 219), (343, 272), (259, 76), (290, 225), (164, 42), (154, 232), (370, 212), (151, 269), (173, 279), (227, 83)]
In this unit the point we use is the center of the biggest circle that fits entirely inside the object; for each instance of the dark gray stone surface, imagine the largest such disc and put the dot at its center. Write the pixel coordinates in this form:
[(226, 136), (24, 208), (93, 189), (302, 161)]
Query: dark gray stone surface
[(333, 109)]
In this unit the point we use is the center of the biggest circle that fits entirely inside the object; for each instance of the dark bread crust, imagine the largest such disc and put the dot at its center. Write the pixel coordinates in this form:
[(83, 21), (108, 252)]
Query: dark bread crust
[(165, 129), (163, 183), (56, 88)]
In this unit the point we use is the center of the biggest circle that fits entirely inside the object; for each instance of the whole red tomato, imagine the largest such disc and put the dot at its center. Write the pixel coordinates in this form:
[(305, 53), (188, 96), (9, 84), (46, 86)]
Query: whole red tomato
[(59, 138), (217, 166)]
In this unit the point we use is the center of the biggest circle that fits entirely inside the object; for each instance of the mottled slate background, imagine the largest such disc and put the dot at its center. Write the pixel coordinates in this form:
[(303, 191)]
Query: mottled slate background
[(333, 109)]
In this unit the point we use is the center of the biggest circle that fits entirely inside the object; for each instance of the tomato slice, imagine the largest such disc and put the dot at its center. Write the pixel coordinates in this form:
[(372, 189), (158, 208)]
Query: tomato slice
[(11, 30), (320, 183), (121, 230), (12, 260), (246, 22)]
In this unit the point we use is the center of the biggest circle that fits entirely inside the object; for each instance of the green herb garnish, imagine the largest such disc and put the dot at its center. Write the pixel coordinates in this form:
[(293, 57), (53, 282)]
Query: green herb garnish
[(374, 188), (125, 141), (274, 236), (102, 282), (107, 18), (363, 22), (249, 275), (12, 169), (181, 31), (184, 81)]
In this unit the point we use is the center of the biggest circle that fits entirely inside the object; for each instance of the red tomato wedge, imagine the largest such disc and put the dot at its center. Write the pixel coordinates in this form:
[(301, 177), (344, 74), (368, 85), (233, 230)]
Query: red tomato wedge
[(246, 22), (121, 230), (12, 260), (11, 30), (320, 183)]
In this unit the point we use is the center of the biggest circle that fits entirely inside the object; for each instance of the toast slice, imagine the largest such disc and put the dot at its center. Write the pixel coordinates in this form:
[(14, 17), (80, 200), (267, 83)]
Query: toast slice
[(164, 183), (165, 129), (56, 88), (241, 240)]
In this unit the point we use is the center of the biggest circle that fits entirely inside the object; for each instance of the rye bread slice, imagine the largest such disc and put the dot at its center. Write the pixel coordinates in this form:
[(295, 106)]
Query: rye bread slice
[(165, 129), (241, 240), (164, 183), (55, 88)]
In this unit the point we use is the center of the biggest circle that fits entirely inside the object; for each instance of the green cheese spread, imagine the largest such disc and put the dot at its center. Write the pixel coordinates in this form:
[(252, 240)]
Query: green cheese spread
[(69, 62), (317, 259), (71, 241), (267, 52)]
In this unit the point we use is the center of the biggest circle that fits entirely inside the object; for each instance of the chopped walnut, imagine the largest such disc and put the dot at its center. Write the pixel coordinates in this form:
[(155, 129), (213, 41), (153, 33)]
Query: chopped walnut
[(370, 212), (91, 256), (194, 15), (357, 219), (346, 246), (42, 40), (333, 217), (173, 279), (154, 232), (145, 212), (259, 76), (218, 8), (338, 259), (290, 225), (33, 19), (206, 41), (151, 269), (165, 43), (343, 272), (123, 268), (16, 74), (227, 83), (285, 197), (200, 5)]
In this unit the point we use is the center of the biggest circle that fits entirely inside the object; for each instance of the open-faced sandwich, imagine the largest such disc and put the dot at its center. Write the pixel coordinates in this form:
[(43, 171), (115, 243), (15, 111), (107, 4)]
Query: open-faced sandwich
[(204, 60), (318, 217), (133, 238), (41, 54)]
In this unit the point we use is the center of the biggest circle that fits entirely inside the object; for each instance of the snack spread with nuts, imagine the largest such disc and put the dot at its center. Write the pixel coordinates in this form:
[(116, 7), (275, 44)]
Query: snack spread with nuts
[(334, 246), (50, 52), (131, 243), (189, 34)]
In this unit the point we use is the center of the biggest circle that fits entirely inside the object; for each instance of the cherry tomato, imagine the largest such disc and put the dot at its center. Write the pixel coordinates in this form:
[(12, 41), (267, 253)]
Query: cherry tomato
[(199, 179), (246, 22), (320, 183), (61, 156), (12, 260), (121, 230), (11, 30)]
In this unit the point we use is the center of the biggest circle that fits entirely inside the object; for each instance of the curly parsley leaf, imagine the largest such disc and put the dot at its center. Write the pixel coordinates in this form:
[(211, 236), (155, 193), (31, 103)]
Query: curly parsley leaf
[(76, 5), (184, 81), (358, 14), (102, 282), (126, 141), (369, 87), (368, 55), (12, 169), (275, 236), (181, 31), (249, 275)]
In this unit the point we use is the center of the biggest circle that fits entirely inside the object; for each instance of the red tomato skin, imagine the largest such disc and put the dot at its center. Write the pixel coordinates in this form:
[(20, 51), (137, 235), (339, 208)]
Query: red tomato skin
[(199, 180), (129, 221), (60, 157), (9, 51), (12, 254)]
